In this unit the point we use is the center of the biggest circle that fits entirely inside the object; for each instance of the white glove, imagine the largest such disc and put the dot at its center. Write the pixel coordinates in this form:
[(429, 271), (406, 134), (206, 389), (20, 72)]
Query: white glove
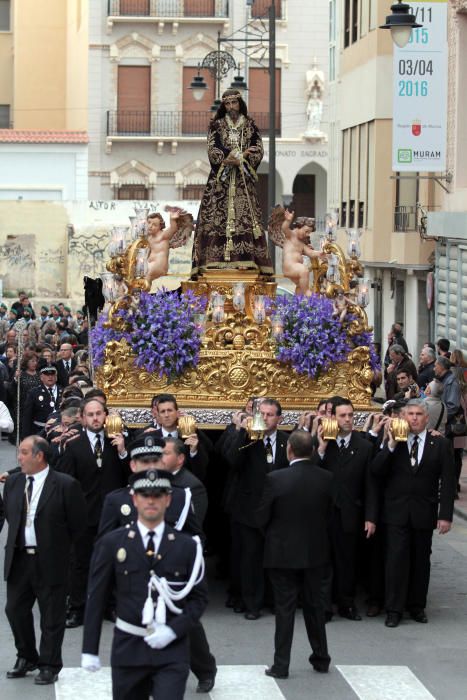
[(162, 636), (90, 662)]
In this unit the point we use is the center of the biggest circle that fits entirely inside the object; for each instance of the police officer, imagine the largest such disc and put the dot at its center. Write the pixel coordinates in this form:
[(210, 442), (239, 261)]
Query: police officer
[(41, 402), (119, 510), (157, 573)]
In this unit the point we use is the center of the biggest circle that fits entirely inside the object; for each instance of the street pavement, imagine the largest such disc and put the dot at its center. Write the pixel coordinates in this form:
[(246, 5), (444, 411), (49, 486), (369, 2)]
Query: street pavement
[(369, 661)]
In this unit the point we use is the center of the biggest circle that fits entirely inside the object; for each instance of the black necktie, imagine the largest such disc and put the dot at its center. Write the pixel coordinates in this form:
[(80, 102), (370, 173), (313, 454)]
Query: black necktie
[(98, 450), (67, 366), (51, 392), (414, 453), (269, 453), (151, 547), (342, 447)]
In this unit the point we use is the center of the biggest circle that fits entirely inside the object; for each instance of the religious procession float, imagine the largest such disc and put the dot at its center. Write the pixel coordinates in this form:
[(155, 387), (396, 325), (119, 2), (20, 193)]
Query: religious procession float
[(227, 335)]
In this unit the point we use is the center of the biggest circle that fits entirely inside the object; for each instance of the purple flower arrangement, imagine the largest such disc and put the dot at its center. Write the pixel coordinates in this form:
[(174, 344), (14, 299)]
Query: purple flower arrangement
[(161, 332), (313, 339), (100, 336)]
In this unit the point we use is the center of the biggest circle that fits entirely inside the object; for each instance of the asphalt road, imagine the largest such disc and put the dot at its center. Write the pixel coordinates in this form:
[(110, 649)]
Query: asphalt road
[(369, 661)]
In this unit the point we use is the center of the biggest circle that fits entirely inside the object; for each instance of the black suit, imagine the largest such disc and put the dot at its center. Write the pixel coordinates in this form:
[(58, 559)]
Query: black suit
[(294, 513), (79, 461), (138, 670), (185, 479), (60, 518), (197, 464), (249, 470), (355, 501), (62, 374), (413, 501)]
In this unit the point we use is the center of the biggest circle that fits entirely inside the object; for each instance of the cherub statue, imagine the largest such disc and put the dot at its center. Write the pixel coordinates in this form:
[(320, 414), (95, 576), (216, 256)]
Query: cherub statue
[(295, 243), (161, 239)]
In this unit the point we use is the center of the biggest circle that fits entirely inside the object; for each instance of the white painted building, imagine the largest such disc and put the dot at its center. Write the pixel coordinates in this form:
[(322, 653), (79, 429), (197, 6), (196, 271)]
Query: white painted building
[(43, 165)]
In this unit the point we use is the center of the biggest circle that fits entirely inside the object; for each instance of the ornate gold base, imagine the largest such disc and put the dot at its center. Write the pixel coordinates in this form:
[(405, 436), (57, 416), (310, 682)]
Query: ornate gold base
[(237, 361)]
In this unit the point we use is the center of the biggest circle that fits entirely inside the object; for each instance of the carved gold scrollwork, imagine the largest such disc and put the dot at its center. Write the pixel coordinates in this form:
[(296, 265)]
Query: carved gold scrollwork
[(360, 375)]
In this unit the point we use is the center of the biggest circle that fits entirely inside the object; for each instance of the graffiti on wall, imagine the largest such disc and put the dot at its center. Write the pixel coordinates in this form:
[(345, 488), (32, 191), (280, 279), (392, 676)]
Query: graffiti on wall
[(17, 262), (87, 249)]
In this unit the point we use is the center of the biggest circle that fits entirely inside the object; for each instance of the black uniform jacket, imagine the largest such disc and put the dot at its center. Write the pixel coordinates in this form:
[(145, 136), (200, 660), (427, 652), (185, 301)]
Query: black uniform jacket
[(62, 374), (249, 470), (355, 487), (60, 518), (120, 562), (118, 511), (294, 514), (79, 461), (38, 407), (417, 498)]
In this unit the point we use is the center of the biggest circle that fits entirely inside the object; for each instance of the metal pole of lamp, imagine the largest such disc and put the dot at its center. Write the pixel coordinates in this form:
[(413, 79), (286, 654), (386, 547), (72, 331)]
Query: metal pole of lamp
[(272, 123)]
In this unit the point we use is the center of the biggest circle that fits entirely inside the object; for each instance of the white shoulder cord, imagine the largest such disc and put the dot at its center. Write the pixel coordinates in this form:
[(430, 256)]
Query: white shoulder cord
[(168, 595), (184, 514)]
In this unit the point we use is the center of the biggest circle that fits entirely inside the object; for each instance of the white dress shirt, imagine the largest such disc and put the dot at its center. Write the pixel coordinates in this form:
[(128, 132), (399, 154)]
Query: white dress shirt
[(158, 532), (421, 444), (172, 433), (92, 438), (30, 539)]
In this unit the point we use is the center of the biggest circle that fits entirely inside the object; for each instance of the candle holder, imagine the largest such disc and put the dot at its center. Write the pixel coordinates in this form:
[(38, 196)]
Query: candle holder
[(218, 311), (363, 293), (331, 221), (259, 308), (277, 327), (200, 323), (353, 246), (141, 262), (332, 273), (119, 240), (109, 287), (238, 296)]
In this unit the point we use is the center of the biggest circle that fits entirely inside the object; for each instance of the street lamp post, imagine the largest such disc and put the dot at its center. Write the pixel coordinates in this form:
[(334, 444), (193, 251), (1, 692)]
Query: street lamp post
[(400, 22)]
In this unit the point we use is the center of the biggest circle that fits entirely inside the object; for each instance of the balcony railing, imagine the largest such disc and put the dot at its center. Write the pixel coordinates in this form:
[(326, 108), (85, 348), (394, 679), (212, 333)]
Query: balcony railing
[(172, 124), (168, 8), (405, 218)]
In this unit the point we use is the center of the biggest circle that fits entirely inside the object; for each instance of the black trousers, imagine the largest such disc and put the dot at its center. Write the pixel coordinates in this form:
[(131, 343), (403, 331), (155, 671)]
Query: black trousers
[(344, 561), (167, 682), (79, 568), (251, 549), (287, 584), (202, 662), (25, 585), (408, 553)]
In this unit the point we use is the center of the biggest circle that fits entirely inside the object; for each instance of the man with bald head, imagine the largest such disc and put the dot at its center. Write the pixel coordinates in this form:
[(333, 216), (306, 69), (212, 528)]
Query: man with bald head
[(65, 365)]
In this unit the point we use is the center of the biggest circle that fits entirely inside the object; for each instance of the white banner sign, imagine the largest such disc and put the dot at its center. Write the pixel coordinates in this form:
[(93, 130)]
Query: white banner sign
[(420, 93)]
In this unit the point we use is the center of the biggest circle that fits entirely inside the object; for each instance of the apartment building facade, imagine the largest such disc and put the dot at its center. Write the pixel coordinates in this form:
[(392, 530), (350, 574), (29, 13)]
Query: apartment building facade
[(396, 253), (447, 224), (148, 133)]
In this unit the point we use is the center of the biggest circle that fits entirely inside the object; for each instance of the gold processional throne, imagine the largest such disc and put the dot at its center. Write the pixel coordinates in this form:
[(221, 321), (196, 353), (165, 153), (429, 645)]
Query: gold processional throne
[(237, 359)]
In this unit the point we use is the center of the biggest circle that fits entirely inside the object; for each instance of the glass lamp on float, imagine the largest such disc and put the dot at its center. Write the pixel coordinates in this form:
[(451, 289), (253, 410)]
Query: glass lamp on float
[(401, 21), (218, 312), (259, 309), (109, 287), (277, 327), (363, 293), (331, 221), (353, 248), (141, 263), (238, 296), (119, 240)]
